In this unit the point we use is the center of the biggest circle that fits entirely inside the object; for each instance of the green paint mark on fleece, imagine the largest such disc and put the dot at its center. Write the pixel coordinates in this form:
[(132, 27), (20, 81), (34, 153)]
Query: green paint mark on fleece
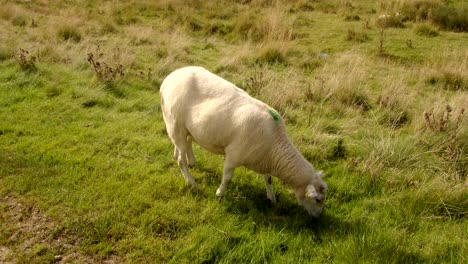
[(275, 115)]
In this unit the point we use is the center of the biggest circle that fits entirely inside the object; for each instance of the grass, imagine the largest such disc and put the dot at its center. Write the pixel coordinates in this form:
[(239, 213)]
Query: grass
[(86, 173), (425, 30)]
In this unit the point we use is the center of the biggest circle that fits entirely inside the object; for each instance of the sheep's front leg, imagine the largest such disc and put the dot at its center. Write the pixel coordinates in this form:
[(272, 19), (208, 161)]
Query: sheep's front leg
[(227, 177), (269, 189)]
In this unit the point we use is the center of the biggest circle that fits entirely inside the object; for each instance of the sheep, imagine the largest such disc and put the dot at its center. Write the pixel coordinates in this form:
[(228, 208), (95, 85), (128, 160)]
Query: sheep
[(200, 106), (387, 16)]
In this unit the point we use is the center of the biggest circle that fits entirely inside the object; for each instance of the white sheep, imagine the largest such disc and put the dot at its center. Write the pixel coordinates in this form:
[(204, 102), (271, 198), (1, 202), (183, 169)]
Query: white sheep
[(388, 16), (201, 106)]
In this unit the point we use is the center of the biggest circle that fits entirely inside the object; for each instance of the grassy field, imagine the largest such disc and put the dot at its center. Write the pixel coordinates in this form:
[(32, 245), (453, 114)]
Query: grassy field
[(86, 168)]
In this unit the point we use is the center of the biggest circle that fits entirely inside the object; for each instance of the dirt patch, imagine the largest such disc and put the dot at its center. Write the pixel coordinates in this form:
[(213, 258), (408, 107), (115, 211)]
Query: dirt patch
[(28, 235)]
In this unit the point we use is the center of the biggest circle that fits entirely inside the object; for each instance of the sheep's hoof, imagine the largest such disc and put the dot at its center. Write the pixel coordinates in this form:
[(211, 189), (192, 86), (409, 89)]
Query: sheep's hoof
[(219, 192), (272, 201), (193, 185), (219, 195)]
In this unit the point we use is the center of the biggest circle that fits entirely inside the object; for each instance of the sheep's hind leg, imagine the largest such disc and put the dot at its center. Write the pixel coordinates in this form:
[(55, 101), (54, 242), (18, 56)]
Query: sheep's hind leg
[(180, 142), (190, 157), (176, 153), (228, 173), (182, 162), (269, 189)]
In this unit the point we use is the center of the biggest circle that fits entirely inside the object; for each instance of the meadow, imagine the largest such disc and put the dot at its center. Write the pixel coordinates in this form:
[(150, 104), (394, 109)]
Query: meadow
[(378, 104)]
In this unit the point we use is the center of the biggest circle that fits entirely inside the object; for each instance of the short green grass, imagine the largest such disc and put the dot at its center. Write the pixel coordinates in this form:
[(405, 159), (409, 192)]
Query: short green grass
[(91, 154)]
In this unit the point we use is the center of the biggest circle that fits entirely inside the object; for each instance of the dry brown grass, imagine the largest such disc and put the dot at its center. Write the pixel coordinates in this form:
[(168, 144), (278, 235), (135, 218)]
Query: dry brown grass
[(342, 79)]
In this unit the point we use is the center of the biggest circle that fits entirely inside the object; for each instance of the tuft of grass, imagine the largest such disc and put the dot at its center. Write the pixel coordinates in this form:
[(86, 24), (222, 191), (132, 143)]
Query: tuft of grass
[(418, 10), (109, 27), (355, 99), (6, 52), (271, 55), (451, 18), (69, 33), (19, 20), (94, 160), (449, 80), (392, 114), (53, 92), (338, 150), (311, 63), (275, 25), (425, 30), (352, 18), (389, 21), (445, 15), (7, 11), (356, 36)]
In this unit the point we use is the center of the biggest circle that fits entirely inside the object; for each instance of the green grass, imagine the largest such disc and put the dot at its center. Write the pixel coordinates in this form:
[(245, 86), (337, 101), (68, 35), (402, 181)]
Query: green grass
[(87, 160)]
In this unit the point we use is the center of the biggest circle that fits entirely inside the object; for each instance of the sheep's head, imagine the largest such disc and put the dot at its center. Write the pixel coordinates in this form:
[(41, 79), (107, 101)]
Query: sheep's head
[(312, 197)]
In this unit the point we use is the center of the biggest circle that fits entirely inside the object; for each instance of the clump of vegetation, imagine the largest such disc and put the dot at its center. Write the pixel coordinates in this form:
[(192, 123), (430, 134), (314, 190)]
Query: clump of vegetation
[(6, 52), (273, 26), (443, 14), (148, 75), (271, 55), (418, 10), (381, 48), (425, 30), (451, 18), (255, 84), (449, 127), (26, 60), (68, 32), (449, 80), (19, 20), (389, 21), (53, 91), (7, 11), (393, 114), (352, 18), (438, 122), (108, 27), (244, 27), (338, 150), (386, 167), (104, 72), (311, 63), (356, 99), (356, 36), (218, 27)]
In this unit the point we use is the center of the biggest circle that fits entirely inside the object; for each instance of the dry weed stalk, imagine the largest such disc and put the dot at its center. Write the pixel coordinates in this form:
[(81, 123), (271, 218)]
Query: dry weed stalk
[(148, 74), (381, 40), (104, 72), (439, 123), (445, 122), (26, 60), (256, 83)]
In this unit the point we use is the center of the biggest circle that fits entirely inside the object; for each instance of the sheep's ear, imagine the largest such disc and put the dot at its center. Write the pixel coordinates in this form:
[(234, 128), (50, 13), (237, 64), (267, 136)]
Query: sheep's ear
[(311, 192), (320, 174)]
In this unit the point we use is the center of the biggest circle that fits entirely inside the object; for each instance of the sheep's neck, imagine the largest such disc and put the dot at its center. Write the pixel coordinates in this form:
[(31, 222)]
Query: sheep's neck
[(288, 163)]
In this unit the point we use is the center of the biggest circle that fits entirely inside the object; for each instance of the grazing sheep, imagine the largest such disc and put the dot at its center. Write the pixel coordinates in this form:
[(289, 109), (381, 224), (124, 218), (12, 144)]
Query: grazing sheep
[(387, 16), (201, 106)]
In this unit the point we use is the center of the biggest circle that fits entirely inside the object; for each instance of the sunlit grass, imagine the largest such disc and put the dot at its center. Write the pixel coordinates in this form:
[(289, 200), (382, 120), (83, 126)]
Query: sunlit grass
[(92, 155)]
